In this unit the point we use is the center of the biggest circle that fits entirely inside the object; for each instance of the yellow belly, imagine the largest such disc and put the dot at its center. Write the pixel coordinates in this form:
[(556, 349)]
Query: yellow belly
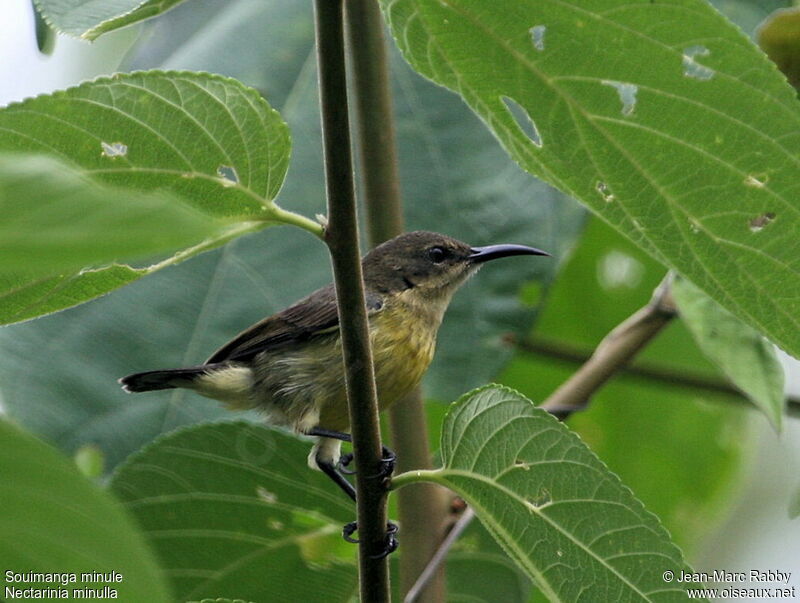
[(402, 350)]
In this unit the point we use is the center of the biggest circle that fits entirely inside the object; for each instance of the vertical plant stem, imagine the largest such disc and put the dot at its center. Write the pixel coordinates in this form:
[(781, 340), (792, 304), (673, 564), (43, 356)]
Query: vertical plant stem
[(375, 120), (422, 509), (342, 239)]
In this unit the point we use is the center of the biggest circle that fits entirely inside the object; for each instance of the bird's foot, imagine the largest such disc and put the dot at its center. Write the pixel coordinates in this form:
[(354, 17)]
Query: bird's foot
[(390, 544), (344, 464), (384, 471)]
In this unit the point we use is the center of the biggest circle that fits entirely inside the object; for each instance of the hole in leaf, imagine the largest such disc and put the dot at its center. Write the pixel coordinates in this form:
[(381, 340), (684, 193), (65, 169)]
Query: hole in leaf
[(523, 119), (756, 180), (537, 36), (627, 94), (276, 525), (114, 149), (758, 223), (266, 495), (693, 69), (604, 191), (228, 175)]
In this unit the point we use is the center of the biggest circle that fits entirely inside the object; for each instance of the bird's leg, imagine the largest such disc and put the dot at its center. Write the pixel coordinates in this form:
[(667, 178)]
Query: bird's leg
[(329, 433), (335, 473), (327, 467), (387, 461), (330, 470)]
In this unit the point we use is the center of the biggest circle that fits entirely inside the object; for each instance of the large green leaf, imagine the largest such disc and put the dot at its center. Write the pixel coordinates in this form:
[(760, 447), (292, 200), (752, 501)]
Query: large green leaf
[(55, 219), (690, 443), (89, 18), (53, 520), (742, 353), (232, 510), (557, 510), (660, 116), (208, 141), (456, 180)]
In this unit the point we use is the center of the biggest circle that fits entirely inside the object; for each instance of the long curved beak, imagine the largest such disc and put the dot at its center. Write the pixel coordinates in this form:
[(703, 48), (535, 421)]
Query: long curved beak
[(492, 252)]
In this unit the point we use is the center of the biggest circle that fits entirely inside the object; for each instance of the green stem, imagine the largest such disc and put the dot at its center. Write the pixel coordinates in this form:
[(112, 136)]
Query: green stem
[(278, 214), (242, 228), (423, 511), (375, 118), (417, 476), (342, 238)]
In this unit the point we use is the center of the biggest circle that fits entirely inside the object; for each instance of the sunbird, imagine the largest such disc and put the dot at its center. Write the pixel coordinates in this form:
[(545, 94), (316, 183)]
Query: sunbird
[(290, 365)]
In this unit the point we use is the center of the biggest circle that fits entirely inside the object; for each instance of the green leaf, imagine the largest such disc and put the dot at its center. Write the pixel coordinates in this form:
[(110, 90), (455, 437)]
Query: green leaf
[(53, 520), (206, 141), (742, 353), (45, 36), (179, 316), (25, 297), (57, 220), (233, 509), (693, 158), (691, 444), (210, 140), (558, 511), (88, 18)]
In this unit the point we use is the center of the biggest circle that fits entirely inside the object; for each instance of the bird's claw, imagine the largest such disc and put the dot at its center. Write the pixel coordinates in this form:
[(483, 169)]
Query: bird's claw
[(391, 541), (344, 462), (385, 471), (387, 463)]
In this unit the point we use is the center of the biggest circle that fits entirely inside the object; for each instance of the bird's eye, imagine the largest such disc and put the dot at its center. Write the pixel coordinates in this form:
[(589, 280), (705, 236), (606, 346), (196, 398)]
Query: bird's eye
[(436, 255)]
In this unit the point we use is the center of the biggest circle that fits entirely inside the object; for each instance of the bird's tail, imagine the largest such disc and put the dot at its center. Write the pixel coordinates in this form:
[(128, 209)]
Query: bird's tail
[(165, 379)]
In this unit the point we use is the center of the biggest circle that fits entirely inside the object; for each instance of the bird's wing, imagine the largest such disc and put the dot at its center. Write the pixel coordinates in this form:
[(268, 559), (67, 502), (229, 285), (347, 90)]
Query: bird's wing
[(314, 315)]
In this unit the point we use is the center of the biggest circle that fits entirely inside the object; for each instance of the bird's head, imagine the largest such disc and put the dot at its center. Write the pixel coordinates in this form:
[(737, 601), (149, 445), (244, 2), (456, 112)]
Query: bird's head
[(433, 264)]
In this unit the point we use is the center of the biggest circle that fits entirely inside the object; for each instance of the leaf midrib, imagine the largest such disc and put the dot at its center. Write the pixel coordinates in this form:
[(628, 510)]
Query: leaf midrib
[(487, 516)]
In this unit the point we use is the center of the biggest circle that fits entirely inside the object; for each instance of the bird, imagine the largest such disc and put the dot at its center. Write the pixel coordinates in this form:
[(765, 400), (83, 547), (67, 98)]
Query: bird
[(289, 365)]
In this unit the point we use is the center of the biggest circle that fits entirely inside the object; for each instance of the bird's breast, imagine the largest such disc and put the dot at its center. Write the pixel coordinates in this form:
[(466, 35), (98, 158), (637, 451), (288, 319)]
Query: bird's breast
[(403, 343)]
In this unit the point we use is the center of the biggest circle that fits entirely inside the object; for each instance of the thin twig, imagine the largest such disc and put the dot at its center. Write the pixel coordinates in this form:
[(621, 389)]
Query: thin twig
[(571, 354), (342, 239), (422, 510), (614, 352), (438, 557)]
